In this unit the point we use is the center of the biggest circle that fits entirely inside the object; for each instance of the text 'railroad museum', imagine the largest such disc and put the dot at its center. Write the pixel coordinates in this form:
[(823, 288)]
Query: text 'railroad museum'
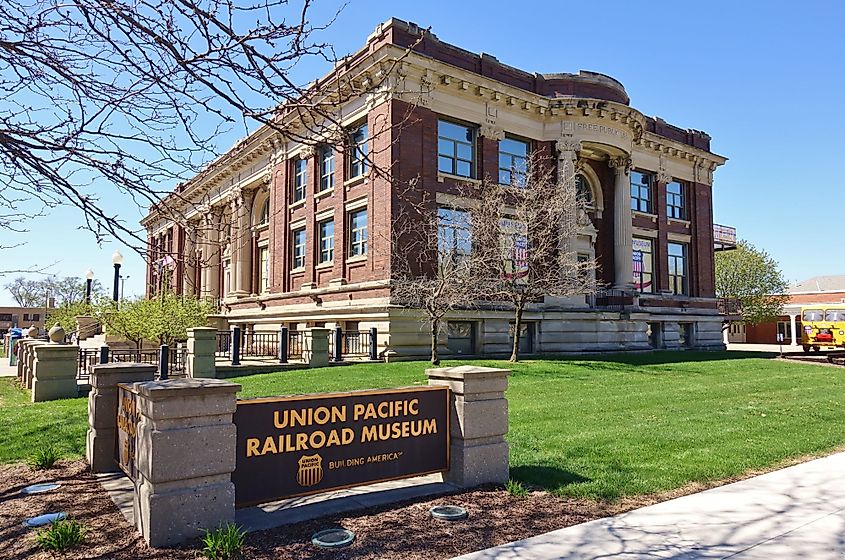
[(287, 232)]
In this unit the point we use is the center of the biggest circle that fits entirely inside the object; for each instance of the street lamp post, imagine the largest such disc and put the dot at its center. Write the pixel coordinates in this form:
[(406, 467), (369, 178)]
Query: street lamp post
[(89, 278), (117, 260), (123, 285)]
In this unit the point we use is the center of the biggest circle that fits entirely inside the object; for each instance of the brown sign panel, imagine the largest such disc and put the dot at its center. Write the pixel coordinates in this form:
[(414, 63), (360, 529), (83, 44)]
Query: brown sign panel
[(303, 445), (127, 425)]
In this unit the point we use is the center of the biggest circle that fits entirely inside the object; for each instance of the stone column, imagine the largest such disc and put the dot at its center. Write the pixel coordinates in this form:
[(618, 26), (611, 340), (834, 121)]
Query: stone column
[(796, 338), (622, 229), (568, 149), (185, 457), (54, 372), (316, 347), (241, 244), (189, 257), (202, 344), (102, 410), (479, 422), (214, 253)]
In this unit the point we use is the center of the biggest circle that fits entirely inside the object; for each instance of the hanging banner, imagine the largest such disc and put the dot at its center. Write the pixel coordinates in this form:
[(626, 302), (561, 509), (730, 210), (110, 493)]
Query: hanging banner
[(292, 446)]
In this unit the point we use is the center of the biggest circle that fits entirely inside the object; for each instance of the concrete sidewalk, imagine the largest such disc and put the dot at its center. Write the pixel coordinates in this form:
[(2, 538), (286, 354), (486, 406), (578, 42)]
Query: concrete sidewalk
[(797, 512)]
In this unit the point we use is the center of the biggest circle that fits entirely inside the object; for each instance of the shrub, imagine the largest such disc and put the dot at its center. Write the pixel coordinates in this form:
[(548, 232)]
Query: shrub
[(61, 535), (45, 457), (516, 489), (223, 543)]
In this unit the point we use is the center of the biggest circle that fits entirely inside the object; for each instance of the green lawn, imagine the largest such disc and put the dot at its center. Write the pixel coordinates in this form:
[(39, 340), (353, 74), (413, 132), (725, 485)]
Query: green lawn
[(599, 428)]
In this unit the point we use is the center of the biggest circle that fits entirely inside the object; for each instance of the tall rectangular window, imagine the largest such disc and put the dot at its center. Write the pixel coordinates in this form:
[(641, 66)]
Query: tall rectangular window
[(641, 184), (326, 168), (263, 269), (358, 233), (327, 241), (513, 162), (455, 149), (300, 179), (676, 200), (453, 235), (678, 273), (358, 153), (643, 264), (298, 252)]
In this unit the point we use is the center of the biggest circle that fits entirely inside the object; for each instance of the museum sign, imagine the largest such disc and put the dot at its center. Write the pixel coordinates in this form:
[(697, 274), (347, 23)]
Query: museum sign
[(300, 445)]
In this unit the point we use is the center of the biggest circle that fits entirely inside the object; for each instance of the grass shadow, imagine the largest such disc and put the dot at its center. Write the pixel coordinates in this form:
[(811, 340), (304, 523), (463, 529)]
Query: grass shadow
[(545, 476)]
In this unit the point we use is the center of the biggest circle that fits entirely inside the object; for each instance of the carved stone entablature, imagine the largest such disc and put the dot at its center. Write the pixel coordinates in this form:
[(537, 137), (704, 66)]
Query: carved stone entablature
[(620, 164), (491, 131)]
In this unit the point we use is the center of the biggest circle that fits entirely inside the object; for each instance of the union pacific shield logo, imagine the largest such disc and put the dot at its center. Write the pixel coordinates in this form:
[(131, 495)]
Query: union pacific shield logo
[(310, 470)]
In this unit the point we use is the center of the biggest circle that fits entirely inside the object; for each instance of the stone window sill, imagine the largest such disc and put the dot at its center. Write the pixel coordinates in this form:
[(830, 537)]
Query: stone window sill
[(323, 194), (325, 266), (297, 204), (443, 176), (354, 181), (356, 259)]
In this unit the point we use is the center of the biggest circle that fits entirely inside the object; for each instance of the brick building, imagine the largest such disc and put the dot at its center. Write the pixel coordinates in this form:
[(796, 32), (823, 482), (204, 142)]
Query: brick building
[(23, 317), (818, 290), (297, 234)]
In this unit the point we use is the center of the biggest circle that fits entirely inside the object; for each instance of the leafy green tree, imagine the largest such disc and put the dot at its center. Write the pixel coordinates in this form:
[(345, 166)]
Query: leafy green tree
[(752, 278), (69, 290), (66, 315), (165, 319)]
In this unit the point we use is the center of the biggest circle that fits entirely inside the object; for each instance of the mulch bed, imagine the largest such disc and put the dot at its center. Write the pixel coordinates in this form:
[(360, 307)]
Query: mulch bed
[(402, 531)]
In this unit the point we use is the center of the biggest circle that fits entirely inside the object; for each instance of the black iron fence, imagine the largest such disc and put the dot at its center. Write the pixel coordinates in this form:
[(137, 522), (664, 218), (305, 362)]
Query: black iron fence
[(608, 300), (89, 357), (224, 344), (285, 344)]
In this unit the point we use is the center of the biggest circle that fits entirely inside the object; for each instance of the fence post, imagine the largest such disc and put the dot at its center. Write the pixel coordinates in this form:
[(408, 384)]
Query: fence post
[(235, 352), (338, 344), (479, 409), (102, 410), (163, 358), (185, 455), (283, 345), (200, 362), (104, 354), (373, 344)]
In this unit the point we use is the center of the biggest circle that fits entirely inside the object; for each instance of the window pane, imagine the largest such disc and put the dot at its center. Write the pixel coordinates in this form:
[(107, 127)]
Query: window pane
[(444, 164), (463, 169), (445, 147), (465, 151)]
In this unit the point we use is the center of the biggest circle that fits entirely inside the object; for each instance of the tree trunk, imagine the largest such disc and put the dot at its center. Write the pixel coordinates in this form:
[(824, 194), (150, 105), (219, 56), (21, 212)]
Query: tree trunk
[(435, 329), (517, 327)]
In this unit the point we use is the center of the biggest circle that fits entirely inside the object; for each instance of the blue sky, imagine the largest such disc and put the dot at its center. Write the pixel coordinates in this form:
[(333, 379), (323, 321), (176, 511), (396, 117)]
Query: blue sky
[(764, 79)]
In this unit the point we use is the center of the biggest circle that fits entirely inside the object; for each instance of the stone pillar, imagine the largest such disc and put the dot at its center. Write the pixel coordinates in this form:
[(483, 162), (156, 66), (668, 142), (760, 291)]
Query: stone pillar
[(102, 410), (796, 337), (54, 372), (479, 422), (568, 149), (241, 244), (189, 256), (185, 457), (202, 344), (622, 229), (214, 252), (29, 360), (315, 352)]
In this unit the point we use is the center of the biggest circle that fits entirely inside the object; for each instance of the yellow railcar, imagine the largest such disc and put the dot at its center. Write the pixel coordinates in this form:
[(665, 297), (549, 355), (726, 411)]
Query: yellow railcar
[(824, 326)]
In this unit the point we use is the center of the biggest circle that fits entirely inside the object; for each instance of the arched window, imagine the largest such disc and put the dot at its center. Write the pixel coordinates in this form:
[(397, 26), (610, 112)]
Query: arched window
[(583, 190), (265, 213)]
